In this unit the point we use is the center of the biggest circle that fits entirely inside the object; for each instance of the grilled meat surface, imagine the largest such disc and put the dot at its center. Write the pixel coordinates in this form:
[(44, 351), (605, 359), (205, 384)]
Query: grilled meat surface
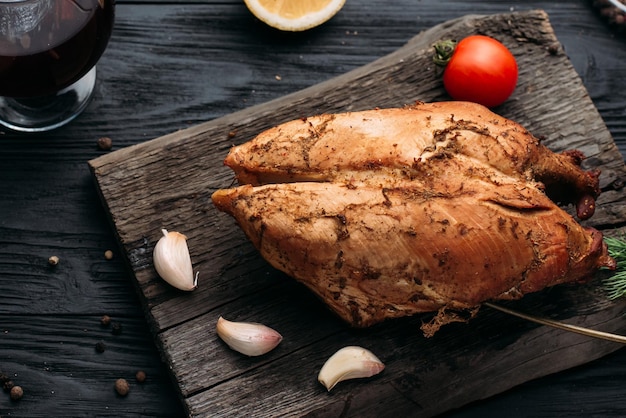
[(433, 207)]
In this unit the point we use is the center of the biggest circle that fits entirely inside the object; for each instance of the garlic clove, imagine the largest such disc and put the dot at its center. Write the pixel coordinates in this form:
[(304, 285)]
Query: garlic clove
[(172, 261), (249, 338), (350, 362)]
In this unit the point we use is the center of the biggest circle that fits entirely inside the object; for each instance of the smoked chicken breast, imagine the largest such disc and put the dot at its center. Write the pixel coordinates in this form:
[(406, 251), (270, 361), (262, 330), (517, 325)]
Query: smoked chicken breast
[(433, 207)]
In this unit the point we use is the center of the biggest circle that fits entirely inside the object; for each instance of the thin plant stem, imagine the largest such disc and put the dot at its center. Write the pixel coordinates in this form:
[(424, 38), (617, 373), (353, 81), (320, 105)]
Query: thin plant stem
[(560, 325)]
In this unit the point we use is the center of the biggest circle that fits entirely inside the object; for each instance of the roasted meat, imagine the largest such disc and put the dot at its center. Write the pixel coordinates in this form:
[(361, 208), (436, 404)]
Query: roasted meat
[(433, 207)]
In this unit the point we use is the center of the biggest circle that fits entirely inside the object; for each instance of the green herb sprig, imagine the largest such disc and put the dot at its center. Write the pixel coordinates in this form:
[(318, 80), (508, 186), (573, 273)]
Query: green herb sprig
[(616, 284)]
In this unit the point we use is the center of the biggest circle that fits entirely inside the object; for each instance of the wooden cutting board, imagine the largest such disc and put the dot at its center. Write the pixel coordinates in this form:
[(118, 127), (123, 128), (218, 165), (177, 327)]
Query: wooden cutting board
[(167, 183)]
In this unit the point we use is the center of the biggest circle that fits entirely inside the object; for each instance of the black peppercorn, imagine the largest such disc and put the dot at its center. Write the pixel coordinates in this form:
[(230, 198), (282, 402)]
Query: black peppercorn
[(105, 321), (4, 378), (122, 387), (8, 385), (116, 328), (140, 376), (16, 393), (104, 143), (100, 347)]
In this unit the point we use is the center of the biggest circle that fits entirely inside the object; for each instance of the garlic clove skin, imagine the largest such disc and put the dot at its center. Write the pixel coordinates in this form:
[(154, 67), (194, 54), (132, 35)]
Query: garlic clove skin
[(351, 362), (249, 338), (172, 261)]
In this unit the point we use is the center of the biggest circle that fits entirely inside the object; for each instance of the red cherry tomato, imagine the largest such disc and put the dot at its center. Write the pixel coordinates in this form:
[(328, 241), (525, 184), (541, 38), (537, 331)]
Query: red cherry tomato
[(481, 70)]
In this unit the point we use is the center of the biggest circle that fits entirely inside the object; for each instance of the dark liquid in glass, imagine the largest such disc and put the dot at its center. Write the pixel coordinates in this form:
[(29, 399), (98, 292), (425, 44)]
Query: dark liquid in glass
[(62, 47)]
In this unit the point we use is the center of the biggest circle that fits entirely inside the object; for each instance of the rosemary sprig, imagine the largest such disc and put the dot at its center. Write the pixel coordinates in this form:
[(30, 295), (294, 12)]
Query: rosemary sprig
[(615, 285)]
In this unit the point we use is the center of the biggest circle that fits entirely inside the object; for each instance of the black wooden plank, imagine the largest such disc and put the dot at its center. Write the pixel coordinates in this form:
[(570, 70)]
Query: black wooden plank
[(560, 111), (48, 203), (54, 358)]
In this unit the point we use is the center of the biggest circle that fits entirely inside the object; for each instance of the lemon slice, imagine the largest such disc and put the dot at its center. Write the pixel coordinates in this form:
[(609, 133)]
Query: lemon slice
[(294, 15)]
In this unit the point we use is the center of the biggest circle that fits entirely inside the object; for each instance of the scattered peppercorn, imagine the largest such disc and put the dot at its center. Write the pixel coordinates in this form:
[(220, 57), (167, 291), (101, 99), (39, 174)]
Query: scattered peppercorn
[(232, 134), (140, 376), (116, 328), (8, 385), (108, 254), (16, 393), (4, 378), (100, 347), (105, 321), (122, 387), (53, 260), (105, 143)]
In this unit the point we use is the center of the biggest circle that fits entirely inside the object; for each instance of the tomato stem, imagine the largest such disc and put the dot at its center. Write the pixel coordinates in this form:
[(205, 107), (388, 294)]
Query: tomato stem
[(443, 52)]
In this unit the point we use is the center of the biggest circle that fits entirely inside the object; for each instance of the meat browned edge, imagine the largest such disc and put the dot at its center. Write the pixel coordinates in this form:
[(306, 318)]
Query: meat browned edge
[(435, 207)]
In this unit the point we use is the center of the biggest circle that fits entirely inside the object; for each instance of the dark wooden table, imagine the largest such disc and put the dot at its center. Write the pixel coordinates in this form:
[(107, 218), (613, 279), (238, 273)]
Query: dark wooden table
[(171, 65)]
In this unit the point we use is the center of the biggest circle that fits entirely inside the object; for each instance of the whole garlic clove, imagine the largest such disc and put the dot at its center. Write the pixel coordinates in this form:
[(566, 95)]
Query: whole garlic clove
[(172, 261), (249, 338), (351, 362)]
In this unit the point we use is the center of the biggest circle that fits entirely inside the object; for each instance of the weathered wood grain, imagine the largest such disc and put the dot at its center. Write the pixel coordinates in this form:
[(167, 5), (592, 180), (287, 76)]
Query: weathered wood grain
[(63, 375), (174, 64), (427, 377), (167, 182)]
